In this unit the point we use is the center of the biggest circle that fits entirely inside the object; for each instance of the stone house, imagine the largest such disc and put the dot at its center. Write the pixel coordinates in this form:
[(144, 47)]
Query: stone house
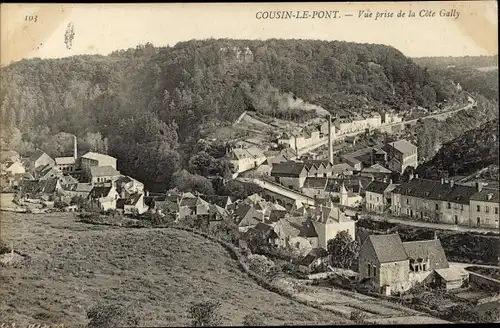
[(290, 174), (39, 158), (96, 159), (314, 259), (296, 234), (244, 159), (103, 174), (104, 197), (247, 217), (378, 196), (66, 164), (400, 155), (484, 206), (328, 221), (134, 204)]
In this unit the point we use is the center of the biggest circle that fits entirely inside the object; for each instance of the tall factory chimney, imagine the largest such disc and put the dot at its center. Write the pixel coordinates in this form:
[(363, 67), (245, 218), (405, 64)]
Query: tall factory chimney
[(330, 141), (75, 148), (296, 149)]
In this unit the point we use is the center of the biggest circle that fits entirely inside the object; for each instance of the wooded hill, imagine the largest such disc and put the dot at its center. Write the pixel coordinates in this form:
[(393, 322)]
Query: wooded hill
[(470, 152), (147, 106)]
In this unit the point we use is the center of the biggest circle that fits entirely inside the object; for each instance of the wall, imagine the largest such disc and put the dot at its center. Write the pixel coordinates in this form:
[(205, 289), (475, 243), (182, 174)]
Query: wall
[(396, 275), (477, 280), (296, 183), (489, 220), (461, 211), (374, 205), (44, 160)]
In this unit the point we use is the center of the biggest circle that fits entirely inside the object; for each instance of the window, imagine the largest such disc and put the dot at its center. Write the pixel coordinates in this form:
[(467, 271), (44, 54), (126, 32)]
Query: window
[(377, 198), (408, 201), (374, 271), (424, 267), (449, 205), (478, 222), (496, 210), (487, 209), (437, 207), (478, 208), (370, 197), (461, 207), (369, 269)]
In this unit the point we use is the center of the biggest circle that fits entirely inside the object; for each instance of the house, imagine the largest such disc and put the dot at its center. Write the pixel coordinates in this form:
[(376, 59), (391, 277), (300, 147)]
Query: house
[(246, 159), (449, 278), (39, 158), (342, 169), (400, 155), (127, 186), (67, 181), (314, 259), (264, 231), (66, 164), (296, 234), (290, 174), (224, 202), (384, 263), (14, 168), (376, 171), (247, 217), (103, 174), (378, 196), (328, 222), (104, 197), (44, 172), (134, 204), (217, 213), (96, 159), (17, 178), (484, 207), (193, 205), (253, 199), (39, 189), (349, 198), (434, 201), (353, 162), (393, 266), (78, 190), (319, 167)]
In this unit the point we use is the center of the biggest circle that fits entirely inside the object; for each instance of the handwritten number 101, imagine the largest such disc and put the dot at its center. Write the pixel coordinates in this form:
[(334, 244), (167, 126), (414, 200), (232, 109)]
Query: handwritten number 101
[(30, 18)]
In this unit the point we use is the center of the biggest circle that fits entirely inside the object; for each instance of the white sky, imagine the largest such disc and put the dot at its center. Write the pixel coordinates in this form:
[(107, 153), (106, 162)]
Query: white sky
[(102, 28)]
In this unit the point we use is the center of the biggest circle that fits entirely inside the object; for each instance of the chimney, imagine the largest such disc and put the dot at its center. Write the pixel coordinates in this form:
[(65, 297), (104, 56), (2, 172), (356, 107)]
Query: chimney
[(479, 186), (330, 141), (442, 180), (390, 181), (435, 235), (296, 148), (452, 183), (410, 177), (489, 196), (416, 175), (75, 148)]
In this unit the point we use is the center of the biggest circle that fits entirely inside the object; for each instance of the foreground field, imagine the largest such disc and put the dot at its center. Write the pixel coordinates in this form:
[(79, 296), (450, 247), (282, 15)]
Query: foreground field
[(156, 272)]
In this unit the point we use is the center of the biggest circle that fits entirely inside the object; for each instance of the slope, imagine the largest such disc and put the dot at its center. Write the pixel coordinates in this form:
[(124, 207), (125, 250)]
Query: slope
[(156, 272)]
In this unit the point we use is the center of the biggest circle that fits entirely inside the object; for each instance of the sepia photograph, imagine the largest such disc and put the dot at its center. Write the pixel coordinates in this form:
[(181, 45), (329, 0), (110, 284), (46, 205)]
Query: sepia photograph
[(249, 164)]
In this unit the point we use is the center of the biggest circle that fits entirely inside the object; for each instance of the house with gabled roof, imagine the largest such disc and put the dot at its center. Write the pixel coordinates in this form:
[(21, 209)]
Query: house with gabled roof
[(103, 174), (296, 234), (44, 172), (378, 196), (247, 217), (400, 155), (134, 204), (244, 159), (97, 159), (39, 158), (394, 266), (290, 174), (104, 197), (484, 206)]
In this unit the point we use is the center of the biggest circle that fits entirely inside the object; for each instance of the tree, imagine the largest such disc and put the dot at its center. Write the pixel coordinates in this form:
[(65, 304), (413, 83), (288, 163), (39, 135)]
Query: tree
[(343, 250), (111, 316), (253, 320), (205, 313), (185, 181), (226, 230)]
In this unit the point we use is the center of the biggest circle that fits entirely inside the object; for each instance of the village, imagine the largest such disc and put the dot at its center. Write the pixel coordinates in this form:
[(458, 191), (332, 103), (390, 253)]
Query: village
[(308, 207)]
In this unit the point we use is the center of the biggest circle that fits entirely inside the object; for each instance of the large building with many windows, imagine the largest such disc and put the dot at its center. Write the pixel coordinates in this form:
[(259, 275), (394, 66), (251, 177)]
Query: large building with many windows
[(446, 202)]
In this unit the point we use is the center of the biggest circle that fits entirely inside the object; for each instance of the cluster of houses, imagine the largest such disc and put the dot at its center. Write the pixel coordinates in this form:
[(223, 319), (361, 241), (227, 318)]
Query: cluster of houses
[(40, 181)]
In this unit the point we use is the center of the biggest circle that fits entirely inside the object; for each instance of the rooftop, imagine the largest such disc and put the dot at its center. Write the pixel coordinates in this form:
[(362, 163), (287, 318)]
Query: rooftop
[(288, 169), (97, 156), (427, 249), (65, 160), (403, 146), (437, 190), (377, 187), (486, 195), (103, 171), (388, 248)]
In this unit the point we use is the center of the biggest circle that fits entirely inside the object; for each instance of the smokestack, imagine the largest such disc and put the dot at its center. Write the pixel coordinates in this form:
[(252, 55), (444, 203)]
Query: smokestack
[(75, 147), (296, 148), (330, 141), (479, 186)]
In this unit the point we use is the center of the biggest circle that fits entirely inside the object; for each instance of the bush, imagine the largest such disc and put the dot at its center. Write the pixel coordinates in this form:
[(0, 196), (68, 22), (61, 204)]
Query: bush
[(205, 313), (4, 249), (358, 317), (253, 320), (111, 316)]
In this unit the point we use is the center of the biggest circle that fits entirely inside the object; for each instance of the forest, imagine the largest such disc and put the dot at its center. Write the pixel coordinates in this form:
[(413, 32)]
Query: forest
[(148, 106)]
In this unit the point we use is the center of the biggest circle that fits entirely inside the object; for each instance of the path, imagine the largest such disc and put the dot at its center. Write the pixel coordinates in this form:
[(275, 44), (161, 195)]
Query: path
[(439, 226)]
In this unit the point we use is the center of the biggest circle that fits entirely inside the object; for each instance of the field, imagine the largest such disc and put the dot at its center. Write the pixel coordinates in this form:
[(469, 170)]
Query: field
[(157, 272)]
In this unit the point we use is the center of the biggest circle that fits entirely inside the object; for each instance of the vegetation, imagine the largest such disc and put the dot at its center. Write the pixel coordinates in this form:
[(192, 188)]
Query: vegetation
[(253, 320), (148, 106), (470, 152), (159, 271), (205, 313), (111, 316), (343, 250)]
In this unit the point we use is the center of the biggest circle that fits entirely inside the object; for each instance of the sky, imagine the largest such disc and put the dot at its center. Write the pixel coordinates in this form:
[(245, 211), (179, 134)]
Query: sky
[(103, 28)]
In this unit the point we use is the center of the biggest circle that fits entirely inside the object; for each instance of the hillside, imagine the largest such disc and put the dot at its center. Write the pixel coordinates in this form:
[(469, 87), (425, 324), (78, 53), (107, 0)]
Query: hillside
[(147, 106), (155, 272), (472, 151)]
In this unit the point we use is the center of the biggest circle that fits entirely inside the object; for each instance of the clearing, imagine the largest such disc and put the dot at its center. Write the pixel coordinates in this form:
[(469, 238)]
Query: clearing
[(157, 272)]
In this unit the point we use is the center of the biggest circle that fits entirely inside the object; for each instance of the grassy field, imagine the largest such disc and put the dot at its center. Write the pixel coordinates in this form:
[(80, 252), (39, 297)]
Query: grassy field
[(157, 272)]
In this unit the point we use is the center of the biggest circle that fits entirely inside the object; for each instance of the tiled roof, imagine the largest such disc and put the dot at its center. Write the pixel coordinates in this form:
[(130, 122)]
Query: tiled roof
[(313, 255), (36, 155), (255, 198), (427, 249), (431, 189), (99, 192), (451, 274), (376, 168), (388, 248), (123, 179), (133, 199), (403, 146), (247, 215), (64, 160), (378, 187), (288, 169), (483, 195), (97, 156), (221, 201), (342, 167), (318, 162), (38, 186), (103, 171)]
